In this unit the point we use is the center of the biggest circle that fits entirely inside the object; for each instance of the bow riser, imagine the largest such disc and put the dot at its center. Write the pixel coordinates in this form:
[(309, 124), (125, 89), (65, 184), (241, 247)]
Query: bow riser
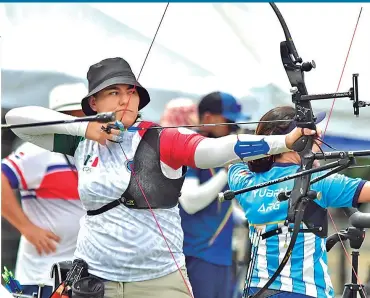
[(302, 184), (293, 70)]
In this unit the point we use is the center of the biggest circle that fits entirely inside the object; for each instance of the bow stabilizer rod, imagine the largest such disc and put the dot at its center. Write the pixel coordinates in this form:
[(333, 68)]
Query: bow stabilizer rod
[(137, 128), (344, 160), (352, 94)]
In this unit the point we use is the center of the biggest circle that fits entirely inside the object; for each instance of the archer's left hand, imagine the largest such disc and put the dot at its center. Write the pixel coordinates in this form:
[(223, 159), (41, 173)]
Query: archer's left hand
[(295, 134)]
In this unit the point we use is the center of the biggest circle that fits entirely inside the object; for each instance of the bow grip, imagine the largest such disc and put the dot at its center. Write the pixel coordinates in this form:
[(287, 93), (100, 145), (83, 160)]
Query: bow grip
[(302, 143)]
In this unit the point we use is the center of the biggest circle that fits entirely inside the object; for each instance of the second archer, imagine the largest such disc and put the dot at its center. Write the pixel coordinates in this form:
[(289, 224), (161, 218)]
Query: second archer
[(306, 274)]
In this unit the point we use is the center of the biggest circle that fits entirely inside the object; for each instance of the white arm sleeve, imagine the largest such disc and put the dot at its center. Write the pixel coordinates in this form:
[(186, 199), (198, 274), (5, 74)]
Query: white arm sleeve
[(217, 152), (195, 197), (238, 214), (43, 136)]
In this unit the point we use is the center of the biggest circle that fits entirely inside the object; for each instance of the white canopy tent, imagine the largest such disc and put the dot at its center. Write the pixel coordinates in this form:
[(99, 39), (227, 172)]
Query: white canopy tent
[(199, 48)]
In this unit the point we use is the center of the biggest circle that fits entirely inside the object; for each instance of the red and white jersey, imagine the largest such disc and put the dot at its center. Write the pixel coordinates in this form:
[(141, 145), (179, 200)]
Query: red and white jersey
[(49, 197)]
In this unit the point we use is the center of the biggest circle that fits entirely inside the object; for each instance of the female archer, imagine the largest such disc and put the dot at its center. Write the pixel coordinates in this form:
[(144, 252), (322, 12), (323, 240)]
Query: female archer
[(306, 273), (130, 182)]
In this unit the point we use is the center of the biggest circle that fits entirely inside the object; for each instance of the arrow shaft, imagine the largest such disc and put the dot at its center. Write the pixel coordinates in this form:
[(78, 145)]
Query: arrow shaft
[(46, 123), (133, 128), (101, 117)]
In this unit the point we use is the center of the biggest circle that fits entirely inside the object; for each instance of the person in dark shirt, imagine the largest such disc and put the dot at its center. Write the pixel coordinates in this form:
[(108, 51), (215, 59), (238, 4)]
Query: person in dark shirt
[(208, 224)]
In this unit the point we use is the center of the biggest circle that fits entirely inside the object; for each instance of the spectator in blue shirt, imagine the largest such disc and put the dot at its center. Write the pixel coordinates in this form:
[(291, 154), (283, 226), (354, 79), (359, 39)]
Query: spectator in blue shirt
[(208, 224)]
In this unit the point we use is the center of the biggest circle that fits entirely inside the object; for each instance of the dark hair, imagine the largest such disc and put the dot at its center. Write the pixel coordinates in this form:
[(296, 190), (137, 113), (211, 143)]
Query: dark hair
[(271, 128), (210, 103)]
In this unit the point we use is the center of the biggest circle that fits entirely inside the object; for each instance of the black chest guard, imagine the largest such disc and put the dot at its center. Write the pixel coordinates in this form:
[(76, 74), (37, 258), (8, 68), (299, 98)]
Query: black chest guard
[(160, 191), (316, 219), (147, 177)]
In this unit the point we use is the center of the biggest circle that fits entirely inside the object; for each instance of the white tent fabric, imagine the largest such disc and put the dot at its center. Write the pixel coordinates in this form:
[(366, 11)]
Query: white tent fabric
[(199, 48)]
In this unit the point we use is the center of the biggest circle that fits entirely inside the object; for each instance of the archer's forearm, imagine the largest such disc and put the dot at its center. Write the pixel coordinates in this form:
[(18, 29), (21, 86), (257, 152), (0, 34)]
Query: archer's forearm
[(195, 197), (10, 208), (217, 152), (43, 136)]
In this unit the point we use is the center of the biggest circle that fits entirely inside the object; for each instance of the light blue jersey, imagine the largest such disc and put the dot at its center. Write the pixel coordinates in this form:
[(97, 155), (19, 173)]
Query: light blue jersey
[(306, 271)]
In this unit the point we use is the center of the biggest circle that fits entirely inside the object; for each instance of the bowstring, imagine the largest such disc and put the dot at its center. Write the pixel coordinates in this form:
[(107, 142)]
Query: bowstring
[(132, 168), (323, 136)]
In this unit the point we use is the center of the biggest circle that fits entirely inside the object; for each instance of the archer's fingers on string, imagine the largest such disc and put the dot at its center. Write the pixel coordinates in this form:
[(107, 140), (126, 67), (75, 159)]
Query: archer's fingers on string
[(105, 129), (113, 138), (110, 131), (115, 132)]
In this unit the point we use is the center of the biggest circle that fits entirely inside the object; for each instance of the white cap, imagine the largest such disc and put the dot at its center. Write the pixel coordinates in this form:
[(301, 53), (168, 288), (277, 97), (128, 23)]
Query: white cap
[(67, 97)]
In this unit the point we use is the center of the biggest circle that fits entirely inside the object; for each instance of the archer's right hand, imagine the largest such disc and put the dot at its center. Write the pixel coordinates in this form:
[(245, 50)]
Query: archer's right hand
[(96, 133), (43, 240)]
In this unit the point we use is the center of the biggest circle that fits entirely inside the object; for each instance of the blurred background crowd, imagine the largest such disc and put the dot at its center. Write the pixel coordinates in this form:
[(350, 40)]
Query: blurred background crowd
[(200, 48)]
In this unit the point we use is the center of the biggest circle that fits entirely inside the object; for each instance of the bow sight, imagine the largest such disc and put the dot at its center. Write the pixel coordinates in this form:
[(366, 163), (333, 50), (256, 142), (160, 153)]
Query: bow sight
[(295, 71), (352, 94)]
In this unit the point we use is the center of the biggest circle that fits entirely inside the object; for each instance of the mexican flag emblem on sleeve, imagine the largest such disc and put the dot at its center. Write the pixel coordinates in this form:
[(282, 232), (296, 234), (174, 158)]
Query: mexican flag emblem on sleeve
[(91, 161)]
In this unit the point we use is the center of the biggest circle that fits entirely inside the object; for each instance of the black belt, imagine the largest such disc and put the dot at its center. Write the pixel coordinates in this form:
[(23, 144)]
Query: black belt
[(280, 231), (268, 293), (106, 207)]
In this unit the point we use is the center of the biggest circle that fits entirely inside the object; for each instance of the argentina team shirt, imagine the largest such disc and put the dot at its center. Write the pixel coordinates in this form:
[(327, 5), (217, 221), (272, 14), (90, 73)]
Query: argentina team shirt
[(307, 270)]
